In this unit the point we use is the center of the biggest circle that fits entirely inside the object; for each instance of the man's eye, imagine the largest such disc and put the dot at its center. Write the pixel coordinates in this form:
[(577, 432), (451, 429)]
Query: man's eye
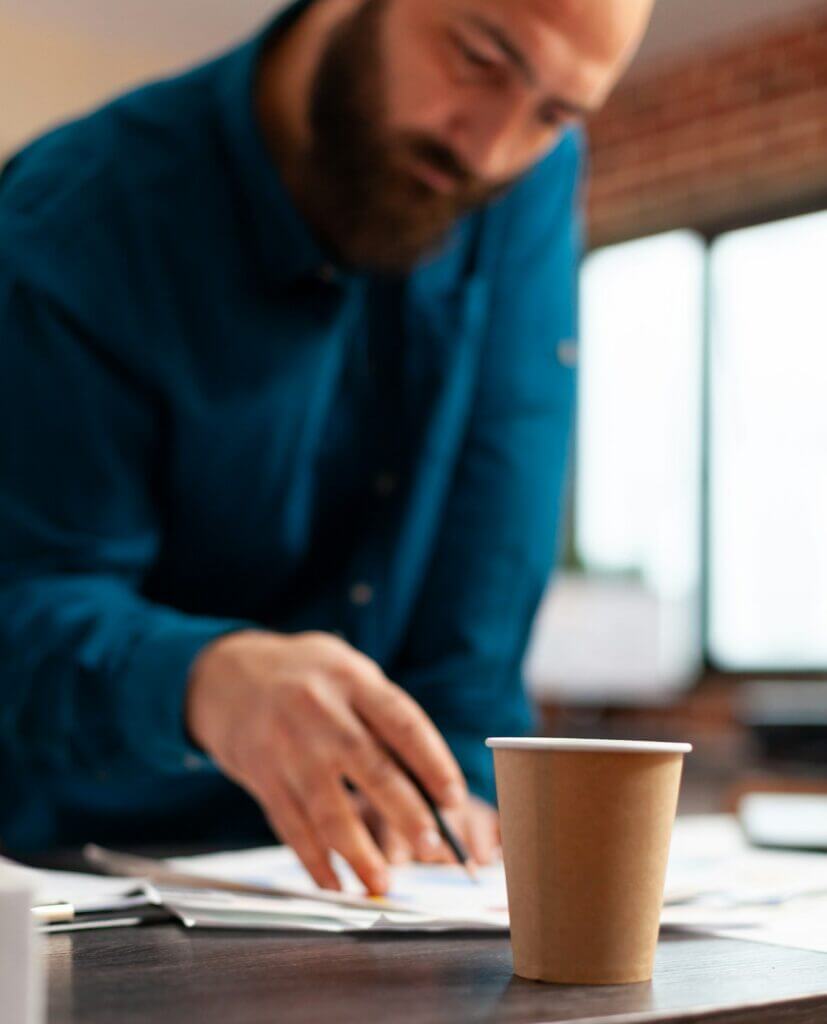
[(474, 57), (551, 118)]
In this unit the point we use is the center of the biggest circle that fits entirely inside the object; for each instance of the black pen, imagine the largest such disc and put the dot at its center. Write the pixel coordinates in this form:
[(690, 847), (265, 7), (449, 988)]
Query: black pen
[(64, 917), (447, 833)]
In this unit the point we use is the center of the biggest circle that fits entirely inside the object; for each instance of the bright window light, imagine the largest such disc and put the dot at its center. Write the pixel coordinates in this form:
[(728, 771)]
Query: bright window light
[(628, 626), (638, 486), (768, 447)]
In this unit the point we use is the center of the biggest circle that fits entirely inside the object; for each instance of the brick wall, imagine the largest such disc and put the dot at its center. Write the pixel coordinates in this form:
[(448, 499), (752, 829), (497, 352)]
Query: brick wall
[(729, 136)]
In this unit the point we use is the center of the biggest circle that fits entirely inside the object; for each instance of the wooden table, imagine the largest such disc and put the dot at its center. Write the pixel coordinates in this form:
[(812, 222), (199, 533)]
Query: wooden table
[(160, 974)]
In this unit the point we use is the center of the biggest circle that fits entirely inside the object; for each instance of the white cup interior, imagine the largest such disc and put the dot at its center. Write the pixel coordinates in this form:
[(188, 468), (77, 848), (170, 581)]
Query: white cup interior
[(560, 743)]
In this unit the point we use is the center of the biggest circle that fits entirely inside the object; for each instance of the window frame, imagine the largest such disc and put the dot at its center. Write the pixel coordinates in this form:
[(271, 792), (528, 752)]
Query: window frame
[(710, 232)]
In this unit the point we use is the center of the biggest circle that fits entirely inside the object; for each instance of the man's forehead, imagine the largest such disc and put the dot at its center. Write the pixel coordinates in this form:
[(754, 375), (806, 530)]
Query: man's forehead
[(592, 38), (603, 27)]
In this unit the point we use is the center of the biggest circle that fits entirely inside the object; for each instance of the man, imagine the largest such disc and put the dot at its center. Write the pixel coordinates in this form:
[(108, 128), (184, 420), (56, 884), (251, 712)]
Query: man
[(284, 418)]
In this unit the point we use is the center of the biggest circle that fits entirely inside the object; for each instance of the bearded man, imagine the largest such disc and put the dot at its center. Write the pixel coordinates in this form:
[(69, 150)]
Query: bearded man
[(287, 395)]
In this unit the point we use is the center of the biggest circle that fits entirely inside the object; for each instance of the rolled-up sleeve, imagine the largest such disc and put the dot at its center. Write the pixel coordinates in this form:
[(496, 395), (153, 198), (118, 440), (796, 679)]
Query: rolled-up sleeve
[(92, 674), (463, 654)]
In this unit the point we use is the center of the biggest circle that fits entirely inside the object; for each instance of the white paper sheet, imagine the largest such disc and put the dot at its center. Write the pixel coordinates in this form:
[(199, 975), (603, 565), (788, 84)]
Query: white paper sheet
[(440, 897), (212, 909), (801, 923), (744, 892), (85, 892), (710, 855)]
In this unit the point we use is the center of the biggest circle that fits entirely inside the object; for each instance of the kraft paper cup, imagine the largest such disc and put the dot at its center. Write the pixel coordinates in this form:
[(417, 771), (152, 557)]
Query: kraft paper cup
[(586, 826)]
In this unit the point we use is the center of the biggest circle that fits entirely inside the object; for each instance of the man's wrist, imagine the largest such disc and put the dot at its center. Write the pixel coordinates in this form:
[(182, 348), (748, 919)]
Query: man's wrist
[(217, 669)]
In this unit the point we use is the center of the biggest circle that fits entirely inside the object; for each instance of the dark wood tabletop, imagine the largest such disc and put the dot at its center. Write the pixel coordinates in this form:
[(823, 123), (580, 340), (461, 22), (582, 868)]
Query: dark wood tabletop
[(163, 973)]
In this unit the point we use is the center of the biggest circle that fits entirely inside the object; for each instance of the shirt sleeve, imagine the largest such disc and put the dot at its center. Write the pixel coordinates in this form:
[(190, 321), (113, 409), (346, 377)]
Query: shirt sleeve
[(463, 655), (92, 674)]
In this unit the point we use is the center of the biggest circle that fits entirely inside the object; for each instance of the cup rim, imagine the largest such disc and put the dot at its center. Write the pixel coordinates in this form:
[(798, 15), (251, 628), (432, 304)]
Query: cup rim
[(575, 744)]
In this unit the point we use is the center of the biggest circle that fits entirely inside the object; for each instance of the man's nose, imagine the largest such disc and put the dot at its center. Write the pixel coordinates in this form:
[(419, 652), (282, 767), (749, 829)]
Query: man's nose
[(486, 141)]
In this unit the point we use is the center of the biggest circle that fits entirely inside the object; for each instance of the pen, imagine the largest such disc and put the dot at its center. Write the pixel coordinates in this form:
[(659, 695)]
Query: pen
[(56, 917), (53, 913), (451, 838)]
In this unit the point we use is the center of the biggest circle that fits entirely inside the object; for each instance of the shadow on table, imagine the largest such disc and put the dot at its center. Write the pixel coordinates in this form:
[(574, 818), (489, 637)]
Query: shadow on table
[(521, 998)]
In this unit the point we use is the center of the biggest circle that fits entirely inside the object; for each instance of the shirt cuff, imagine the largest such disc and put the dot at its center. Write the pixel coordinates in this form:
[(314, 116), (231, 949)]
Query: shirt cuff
[(155, 688)]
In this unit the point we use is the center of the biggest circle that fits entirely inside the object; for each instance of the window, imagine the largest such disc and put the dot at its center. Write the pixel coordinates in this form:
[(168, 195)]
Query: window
[(639, 433), (671, 326), (767, 595), (629, 624)]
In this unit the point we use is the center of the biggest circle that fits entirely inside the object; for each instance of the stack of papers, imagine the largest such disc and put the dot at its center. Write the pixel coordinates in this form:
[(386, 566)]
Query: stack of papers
[(716, 883), (422, 898)]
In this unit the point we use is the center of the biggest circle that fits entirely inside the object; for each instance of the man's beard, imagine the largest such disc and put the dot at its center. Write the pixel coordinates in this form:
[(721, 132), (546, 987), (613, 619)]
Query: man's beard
[(354, 183)]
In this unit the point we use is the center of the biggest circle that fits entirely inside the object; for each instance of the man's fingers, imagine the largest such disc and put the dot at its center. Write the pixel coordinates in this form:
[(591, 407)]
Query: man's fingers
[(339, 827), (394, 845), (443, 854), (477, 824), (293, 828), (404, 727), (391, 792), (480, 837), (344, 746), (399, 722)]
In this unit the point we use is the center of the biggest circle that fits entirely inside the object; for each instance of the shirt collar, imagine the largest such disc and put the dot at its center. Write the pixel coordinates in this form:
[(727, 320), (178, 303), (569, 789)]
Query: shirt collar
[(288, 249)]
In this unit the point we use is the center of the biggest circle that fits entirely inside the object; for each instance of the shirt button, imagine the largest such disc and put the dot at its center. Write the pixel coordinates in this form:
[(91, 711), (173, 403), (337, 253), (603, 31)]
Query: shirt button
[(385, 484), (567, 352), (361, 594)]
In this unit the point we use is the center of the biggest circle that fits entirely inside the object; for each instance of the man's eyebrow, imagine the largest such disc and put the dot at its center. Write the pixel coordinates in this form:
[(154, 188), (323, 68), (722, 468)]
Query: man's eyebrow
[(516, 56), (506, 45)]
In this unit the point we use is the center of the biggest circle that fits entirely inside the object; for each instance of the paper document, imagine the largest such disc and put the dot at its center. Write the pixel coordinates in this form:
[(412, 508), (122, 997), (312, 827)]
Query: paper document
[(744, 892), (709, 855), (716, 883), (423, 897), (83, 891)]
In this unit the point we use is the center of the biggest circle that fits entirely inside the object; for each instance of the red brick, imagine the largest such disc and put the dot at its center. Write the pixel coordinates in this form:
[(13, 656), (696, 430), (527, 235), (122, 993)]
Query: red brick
[(745, 126)]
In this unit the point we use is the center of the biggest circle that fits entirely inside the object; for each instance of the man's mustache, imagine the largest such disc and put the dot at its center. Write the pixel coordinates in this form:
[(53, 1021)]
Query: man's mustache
[(471, 189), (443, 159)]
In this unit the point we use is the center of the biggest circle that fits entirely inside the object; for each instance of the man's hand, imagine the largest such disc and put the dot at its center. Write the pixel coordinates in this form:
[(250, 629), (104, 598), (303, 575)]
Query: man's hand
[(290, 718), (475, 822)]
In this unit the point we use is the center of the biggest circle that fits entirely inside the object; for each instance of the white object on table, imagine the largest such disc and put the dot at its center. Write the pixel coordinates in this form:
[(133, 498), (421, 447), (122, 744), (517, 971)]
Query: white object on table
[(83, 891), (22, 979), (785, 820)]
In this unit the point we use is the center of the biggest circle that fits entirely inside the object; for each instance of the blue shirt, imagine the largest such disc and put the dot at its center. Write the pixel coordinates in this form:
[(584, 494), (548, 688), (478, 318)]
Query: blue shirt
[(204, 427)]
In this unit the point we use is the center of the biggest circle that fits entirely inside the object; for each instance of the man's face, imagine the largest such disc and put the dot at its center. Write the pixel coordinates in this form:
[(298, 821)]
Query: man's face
[(422, 110)]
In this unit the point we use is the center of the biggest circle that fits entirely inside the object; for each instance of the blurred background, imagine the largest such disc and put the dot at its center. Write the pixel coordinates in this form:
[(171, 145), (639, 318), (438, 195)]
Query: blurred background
[(693, 597)]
